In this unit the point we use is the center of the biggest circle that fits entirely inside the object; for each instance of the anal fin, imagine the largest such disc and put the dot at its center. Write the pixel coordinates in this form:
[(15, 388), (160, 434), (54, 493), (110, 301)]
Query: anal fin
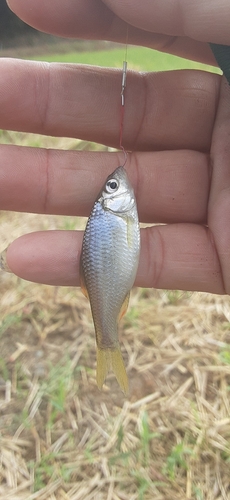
[(82, 283), (124, 306)]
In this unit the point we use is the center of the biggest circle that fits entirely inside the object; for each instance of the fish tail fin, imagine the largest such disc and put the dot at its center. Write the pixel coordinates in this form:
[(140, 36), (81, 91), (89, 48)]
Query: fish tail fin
[(111, 359)]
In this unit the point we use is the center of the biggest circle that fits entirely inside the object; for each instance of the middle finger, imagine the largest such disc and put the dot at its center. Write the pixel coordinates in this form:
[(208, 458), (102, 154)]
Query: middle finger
[(170, 186)]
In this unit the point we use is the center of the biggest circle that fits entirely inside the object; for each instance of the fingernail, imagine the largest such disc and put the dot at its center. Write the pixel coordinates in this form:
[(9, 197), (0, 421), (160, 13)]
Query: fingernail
[(3, 262)]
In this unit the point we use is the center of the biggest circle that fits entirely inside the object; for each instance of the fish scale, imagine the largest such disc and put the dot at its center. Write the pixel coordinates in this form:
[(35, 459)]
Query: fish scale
[(104, 274)]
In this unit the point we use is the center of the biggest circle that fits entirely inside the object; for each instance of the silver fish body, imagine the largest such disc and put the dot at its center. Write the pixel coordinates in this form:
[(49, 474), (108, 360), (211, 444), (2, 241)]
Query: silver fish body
[(109, 261)]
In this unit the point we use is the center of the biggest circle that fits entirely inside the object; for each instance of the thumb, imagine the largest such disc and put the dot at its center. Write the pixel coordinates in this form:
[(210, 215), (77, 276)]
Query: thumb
[(203, 20)]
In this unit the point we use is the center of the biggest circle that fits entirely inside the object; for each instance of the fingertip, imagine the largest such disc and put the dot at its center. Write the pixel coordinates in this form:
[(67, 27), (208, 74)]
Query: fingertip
[(46, 257), (14, 257)]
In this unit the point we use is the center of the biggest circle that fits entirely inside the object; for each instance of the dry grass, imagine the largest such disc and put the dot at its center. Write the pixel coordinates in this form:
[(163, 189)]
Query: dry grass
[(63, 439)]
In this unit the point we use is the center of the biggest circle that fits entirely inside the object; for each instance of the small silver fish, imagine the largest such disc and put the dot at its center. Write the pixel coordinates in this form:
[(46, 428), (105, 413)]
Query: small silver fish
[(109, 261)]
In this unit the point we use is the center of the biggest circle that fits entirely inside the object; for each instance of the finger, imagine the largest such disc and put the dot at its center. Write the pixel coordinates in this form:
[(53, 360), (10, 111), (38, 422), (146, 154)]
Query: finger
[(170, 186), (172, 110), (175, 257), (205, 21), (91, 19), (219, 204)]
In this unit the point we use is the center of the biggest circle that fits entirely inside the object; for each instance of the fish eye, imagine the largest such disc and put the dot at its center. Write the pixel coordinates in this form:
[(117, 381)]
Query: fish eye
[(112, 186)]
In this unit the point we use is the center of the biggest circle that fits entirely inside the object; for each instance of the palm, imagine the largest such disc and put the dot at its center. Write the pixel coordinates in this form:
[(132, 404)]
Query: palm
[(176, 124)]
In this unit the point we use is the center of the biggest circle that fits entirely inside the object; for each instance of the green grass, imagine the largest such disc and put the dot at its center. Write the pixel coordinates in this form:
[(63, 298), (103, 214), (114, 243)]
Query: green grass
[(225, 355), (146, 437), (139, 58), (9, 321), (47, 470), (177, 459)]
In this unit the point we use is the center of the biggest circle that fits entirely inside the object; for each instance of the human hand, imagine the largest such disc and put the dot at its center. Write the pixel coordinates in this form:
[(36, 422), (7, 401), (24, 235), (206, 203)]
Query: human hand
[(177, 125)]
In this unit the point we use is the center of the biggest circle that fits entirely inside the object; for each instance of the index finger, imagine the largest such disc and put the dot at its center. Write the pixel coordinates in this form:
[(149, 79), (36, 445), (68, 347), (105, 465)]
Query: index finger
[(93, 20), (171, 110), (206, 20)]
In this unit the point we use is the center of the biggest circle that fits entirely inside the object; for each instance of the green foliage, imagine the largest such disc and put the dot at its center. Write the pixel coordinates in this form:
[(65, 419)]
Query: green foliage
[(138, 460), (120, 437), (177, 459), (43, 471), (139, 59), (143, 484), (4, 372), (9, 321), (89, 455), (174, 296), (146, 436), (68, 223), (53, 390), (47, 470), (198, 493), (225, 456), (225, 355), (121, 458), (56, 386)]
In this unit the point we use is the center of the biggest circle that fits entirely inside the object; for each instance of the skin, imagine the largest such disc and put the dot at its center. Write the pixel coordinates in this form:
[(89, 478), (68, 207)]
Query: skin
[(176, 124)]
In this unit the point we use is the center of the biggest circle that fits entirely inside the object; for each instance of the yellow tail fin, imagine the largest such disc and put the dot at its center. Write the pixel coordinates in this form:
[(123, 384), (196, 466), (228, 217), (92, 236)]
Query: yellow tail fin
[(111, 359)]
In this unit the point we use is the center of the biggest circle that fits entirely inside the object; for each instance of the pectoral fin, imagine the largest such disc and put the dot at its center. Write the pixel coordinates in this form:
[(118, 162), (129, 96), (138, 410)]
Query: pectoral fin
[(111, 359)]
